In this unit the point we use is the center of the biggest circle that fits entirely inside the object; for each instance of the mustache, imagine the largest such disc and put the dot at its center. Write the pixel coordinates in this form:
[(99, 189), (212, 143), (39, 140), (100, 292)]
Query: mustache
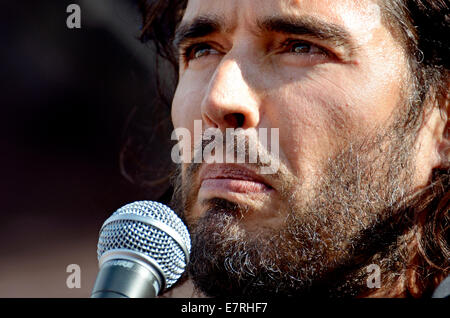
[(245, 148), (185, 179)]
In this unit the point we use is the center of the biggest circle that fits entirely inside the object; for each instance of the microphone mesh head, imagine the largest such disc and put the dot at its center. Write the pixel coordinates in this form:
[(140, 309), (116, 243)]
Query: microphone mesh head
[(126, 233)]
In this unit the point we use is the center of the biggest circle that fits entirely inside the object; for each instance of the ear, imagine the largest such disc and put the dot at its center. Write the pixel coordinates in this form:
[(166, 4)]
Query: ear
[(443, 142), (434, 138)]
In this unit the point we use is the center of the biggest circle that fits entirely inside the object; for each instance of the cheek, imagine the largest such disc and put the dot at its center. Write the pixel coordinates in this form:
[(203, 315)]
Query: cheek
[(315, 122), (185, 113), (186, 103)]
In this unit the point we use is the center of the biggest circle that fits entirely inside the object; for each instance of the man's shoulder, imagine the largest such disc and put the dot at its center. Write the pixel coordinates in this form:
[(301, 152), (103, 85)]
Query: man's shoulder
[(183, 290)]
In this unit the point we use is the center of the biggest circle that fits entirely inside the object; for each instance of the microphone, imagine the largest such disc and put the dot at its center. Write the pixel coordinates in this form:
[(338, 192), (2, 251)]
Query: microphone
[(143, 248), (443, 290)]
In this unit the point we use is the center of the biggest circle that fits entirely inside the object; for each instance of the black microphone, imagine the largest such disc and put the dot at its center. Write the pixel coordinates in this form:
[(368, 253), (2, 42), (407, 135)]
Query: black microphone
[(143, 248)]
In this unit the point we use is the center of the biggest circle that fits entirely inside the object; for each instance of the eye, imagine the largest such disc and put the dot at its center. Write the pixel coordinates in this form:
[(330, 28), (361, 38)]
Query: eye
[(302, 47), (197, 51)]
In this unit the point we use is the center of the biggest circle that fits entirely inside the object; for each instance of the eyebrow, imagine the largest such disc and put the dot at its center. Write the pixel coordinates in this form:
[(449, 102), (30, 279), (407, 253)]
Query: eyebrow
[(201, 26), (305, 25), (311, 27)]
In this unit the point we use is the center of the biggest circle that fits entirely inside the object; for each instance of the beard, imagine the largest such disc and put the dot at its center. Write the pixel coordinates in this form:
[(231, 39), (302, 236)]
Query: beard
[(352, 217)]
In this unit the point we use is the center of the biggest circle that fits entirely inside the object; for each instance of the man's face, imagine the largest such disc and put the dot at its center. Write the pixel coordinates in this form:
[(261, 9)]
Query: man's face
[(330, 76)]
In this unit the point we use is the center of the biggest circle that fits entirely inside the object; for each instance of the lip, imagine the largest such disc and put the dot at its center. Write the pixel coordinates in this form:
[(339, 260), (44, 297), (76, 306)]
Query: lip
[(232, 178)]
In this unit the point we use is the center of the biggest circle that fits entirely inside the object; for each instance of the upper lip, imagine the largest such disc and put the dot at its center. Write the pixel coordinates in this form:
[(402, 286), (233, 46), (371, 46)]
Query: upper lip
[(230, 171)]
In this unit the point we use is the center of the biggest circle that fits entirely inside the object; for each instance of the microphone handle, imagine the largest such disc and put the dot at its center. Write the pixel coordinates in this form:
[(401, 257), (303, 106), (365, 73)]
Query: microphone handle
[(122, 278)]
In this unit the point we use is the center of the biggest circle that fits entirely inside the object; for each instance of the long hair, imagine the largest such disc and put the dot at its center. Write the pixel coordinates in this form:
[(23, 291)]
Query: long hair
[(422, 27)]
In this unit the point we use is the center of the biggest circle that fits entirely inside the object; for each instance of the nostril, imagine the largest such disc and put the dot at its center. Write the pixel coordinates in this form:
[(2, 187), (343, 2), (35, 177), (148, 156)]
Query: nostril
[(235, 120), (240, 119)]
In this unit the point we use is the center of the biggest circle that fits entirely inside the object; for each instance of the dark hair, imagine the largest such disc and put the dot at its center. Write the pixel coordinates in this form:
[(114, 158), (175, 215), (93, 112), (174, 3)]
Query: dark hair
[(422, 27)]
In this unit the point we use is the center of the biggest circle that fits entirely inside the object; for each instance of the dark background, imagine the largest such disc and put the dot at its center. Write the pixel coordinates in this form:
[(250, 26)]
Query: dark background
[(66, 99)]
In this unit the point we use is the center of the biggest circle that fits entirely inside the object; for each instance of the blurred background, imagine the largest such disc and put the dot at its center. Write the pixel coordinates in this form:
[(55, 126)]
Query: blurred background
[(69, 99)]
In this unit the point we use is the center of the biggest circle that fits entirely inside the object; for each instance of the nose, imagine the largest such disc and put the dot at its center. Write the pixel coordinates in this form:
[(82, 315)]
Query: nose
[(229, 101)]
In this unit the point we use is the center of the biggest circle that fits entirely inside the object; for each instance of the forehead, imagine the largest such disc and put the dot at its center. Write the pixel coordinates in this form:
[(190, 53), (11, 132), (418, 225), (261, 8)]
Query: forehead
[(360, 17)]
